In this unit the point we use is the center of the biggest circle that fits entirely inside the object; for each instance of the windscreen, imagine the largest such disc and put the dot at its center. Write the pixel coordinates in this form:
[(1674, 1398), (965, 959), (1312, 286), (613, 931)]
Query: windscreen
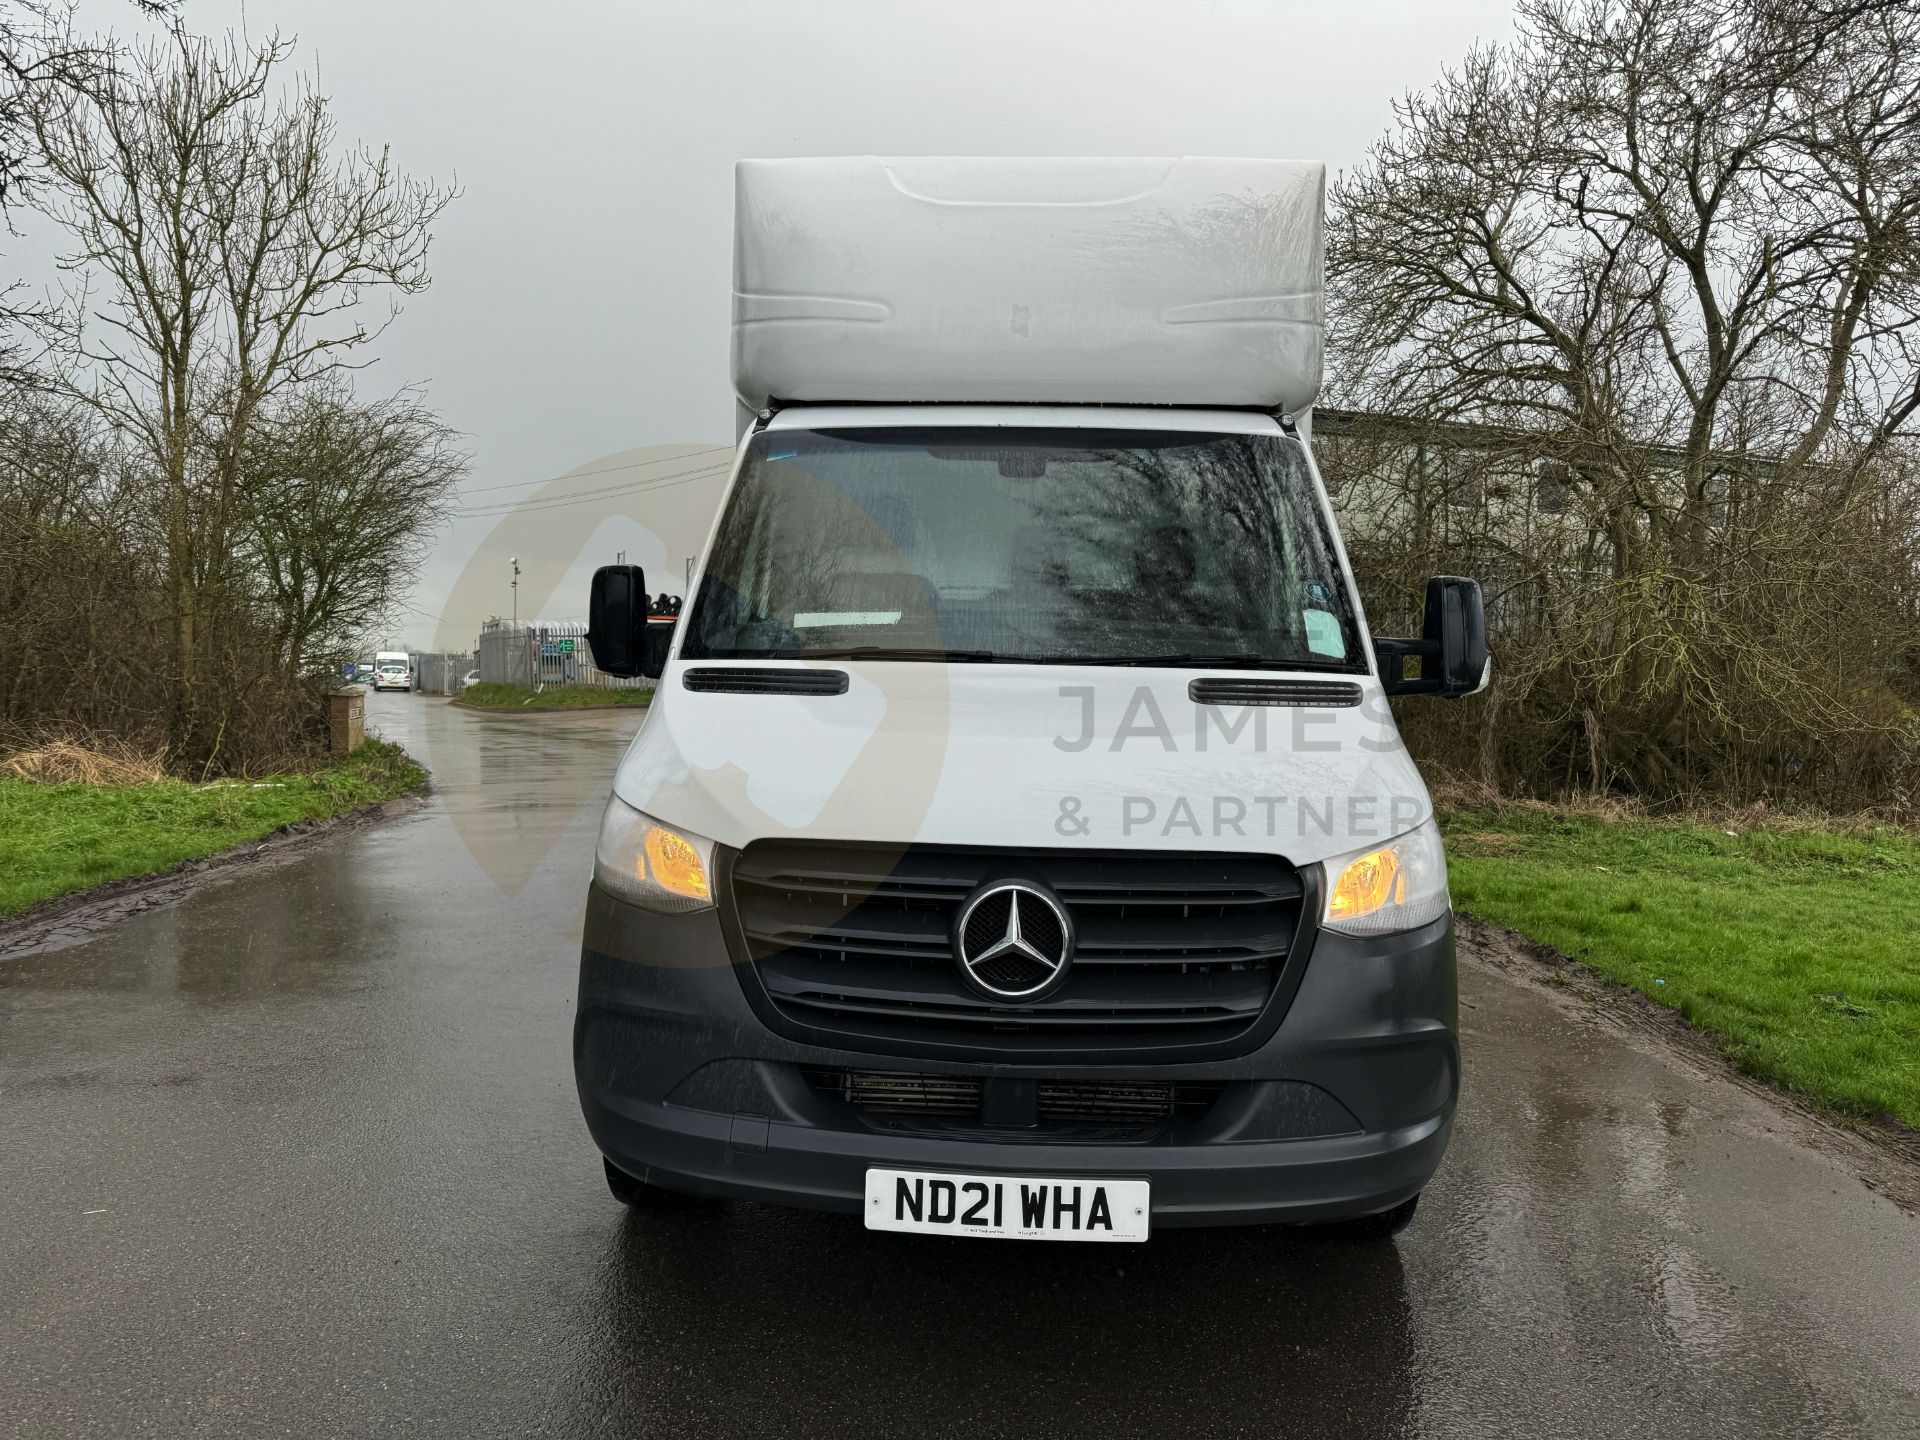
[(1025, 545)]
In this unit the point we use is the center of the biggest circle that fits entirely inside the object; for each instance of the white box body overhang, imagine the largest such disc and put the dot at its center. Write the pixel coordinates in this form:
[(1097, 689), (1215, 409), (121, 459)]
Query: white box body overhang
[(1190, 281)]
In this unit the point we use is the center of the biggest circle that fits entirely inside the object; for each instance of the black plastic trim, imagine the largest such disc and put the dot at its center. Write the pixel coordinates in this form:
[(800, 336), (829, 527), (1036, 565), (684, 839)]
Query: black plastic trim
[(762, 680), (1229, 690)]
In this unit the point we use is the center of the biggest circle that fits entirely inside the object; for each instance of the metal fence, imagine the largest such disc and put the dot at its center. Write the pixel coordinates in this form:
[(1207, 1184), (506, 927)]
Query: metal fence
[(542, 655), (442, 673)]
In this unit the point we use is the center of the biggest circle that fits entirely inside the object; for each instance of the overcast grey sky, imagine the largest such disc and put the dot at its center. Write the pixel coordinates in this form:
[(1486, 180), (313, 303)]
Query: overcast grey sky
[(581, 286)]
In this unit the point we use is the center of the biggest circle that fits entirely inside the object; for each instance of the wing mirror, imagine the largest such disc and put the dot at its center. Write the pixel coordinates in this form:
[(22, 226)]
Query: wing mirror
[(628, 633), (1452, 648)]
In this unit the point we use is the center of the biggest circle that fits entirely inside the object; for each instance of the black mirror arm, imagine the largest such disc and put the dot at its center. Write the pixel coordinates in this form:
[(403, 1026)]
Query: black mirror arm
[(1393, 651)]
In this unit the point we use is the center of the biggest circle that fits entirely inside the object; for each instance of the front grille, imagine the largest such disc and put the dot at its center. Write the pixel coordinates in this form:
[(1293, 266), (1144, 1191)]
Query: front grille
[(1074, 1102), (1174, 951)]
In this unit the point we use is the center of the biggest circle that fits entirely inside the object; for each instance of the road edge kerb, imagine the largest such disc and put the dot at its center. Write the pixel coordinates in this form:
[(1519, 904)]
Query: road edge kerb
[(69, 919), (1883, 1155)]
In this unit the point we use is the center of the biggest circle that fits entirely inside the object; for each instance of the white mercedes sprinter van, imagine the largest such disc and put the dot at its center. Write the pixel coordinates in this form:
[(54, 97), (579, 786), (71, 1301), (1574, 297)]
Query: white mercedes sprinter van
[(1019, 843)]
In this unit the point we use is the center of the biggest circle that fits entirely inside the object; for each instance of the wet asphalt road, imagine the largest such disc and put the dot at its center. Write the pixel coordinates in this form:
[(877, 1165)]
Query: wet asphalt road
[(301, 1156)]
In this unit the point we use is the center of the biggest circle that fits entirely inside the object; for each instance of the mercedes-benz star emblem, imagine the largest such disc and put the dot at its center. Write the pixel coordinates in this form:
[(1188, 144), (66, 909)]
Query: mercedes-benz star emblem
[(1014, 940)]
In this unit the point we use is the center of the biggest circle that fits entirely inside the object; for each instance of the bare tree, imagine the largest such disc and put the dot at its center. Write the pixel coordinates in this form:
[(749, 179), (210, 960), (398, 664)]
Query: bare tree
[(227, 250), (340, 497), (38, 50), (1672, 249)]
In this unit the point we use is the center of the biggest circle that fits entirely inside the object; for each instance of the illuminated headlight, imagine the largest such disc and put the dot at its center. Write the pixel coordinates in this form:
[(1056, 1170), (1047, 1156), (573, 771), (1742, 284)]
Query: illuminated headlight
[(1400, 885), (645, 863)]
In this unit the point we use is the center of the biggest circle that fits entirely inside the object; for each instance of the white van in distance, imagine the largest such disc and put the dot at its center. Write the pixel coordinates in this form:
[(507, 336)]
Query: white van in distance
[(392, 670), (1020, 844)]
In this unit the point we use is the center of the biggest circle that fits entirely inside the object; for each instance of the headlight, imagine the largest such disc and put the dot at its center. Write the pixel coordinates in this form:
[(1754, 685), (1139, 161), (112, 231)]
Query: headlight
[(645, 863), (1400, 885)]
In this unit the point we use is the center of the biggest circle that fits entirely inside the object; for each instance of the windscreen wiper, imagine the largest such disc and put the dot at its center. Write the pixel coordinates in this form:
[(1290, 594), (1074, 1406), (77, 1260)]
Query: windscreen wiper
[(892, 652), (1236, 661)]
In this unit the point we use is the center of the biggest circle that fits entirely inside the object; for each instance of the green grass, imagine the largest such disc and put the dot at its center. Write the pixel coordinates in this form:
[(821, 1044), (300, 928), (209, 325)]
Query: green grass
[(1798, 950), (554, 697), (59, 838)]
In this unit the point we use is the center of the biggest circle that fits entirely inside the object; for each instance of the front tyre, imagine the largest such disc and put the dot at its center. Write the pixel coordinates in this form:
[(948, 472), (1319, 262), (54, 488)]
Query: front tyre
[(1367, 1229), (639, 1195)]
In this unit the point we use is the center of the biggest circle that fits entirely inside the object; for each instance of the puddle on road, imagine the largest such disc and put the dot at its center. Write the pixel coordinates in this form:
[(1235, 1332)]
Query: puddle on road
[(1644, 1252), (511, 785)]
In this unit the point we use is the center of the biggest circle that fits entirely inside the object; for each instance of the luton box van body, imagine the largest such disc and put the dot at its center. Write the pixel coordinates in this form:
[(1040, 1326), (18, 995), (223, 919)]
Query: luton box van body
[(1019, 843)]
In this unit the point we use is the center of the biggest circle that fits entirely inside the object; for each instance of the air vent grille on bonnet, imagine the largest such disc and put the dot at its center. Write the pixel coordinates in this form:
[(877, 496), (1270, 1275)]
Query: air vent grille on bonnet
[(1234, 691), (757, 680)]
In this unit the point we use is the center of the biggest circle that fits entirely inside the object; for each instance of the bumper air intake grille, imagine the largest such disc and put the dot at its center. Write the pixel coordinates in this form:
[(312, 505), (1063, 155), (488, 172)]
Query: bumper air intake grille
[(1187, 955), (1074, 1102), (888, 1093)]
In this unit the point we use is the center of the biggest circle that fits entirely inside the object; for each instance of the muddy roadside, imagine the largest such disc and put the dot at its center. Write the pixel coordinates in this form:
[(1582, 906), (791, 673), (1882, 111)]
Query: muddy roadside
[(69, 919), (1883, 1154)]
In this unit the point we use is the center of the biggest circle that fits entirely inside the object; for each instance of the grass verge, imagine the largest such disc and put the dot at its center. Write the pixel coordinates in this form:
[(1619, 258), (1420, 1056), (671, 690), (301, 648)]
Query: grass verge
[(1797, 949), (55, 839), (554, 697)]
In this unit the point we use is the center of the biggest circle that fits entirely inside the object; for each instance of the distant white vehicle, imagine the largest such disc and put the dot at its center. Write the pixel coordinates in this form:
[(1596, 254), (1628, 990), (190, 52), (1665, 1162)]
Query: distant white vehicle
[(472, 677), (392, 670)]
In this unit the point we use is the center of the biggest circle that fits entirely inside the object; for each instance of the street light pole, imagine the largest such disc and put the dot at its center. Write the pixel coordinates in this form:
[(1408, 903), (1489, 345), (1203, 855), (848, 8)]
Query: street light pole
[(514, 560)]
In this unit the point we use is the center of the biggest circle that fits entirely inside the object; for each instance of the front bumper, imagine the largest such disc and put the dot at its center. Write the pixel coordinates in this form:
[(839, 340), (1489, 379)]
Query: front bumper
[(1344, 1111)]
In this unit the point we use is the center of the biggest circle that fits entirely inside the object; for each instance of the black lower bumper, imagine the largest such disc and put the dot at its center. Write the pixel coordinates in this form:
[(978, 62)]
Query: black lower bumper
[(1344, 1111)]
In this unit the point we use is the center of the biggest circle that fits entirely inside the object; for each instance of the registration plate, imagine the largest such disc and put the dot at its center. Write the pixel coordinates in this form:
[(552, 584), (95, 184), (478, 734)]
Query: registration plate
[(1007, 1207)]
